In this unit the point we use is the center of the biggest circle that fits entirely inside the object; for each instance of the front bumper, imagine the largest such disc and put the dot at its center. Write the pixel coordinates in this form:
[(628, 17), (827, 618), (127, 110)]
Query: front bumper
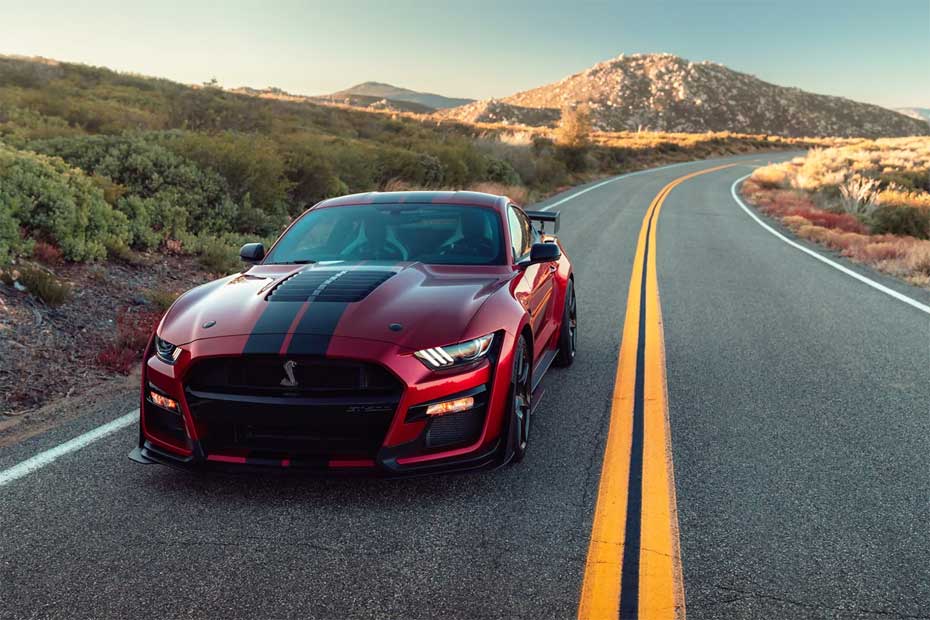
[(410, 443)]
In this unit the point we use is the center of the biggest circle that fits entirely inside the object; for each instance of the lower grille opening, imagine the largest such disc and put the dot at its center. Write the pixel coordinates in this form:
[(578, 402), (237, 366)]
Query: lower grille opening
[(308, 429), (455, 429), (165, 425)]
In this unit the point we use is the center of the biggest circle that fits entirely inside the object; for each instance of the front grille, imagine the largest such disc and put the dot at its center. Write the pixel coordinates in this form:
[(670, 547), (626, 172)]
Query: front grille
[(270, 375), (329, 285), (336, 408)]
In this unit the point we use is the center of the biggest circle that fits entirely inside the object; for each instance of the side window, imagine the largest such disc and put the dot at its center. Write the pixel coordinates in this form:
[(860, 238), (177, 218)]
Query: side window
[(529, 233), (517, 233)]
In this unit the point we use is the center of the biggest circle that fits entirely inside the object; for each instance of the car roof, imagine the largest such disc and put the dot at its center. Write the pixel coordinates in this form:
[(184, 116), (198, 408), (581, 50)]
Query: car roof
[(478, 199)]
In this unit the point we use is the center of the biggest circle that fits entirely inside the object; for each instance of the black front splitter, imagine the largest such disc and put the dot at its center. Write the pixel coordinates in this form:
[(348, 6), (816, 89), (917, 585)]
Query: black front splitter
[(489, 459)]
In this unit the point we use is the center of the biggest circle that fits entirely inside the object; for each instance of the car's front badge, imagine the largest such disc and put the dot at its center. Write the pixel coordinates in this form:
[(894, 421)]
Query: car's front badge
[(395, 327), (209, 324)]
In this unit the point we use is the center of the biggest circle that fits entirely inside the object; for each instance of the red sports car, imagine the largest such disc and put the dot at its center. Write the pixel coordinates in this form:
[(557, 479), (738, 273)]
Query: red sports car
[(389, 333)]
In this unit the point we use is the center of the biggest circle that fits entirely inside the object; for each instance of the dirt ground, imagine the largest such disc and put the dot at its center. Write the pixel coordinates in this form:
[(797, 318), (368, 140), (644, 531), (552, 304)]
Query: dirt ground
[(48, 356)]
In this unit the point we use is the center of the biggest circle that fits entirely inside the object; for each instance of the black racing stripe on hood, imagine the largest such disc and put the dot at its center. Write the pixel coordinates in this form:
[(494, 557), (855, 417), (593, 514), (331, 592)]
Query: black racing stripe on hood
[(320, 320), (271, 328)]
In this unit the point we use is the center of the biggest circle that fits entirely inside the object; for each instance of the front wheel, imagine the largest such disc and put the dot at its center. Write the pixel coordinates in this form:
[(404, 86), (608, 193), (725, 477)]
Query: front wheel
[(568, 334), (521, 392)]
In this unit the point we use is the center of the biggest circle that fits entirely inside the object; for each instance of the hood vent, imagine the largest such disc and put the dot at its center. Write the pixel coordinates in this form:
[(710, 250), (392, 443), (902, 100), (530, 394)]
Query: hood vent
[(329, 285)]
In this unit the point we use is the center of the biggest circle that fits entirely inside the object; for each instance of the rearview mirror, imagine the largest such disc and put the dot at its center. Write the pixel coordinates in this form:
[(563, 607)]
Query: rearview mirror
[(252, 252), (542, 253)]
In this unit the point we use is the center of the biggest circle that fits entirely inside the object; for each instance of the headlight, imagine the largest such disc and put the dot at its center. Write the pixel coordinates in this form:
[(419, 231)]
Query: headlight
[(166, 352), (456, 354)]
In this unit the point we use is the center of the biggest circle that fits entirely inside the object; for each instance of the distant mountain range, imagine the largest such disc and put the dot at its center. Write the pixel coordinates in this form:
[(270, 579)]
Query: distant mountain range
[(368, 102), (649, 92), (662, 92), (920, 113), (393, 94)]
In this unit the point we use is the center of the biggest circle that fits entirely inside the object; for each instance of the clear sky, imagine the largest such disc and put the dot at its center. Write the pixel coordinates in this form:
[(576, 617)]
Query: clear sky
[(876, 51)]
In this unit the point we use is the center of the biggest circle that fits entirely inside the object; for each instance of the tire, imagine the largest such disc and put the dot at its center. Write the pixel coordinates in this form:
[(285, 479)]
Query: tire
[(521, 394), (568, 333)]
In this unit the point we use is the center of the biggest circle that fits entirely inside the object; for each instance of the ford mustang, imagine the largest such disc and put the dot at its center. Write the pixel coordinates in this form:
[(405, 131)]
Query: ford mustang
[(390, 333)]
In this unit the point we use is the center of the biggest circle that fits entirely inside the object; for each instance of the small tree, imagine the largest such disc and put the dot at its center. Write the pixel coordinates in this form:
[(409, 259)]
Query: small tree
[(575, 126)]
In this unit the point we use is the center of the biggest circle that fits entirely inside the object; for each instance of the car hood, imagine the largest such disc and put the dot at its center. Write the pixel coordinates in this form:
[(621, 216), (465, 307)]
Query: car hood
[(416, 306)]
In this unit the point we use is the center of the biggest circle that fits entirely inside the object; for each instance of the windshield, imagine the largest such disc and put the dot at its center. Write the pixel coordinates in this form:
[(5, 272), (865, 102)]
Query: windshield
[(435, 234)]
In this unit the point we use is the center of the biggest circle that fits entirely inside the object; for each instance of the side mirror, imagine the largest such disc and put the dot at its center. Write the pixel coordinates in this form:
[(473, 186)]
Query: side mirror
[(252, 252), (542, 253)]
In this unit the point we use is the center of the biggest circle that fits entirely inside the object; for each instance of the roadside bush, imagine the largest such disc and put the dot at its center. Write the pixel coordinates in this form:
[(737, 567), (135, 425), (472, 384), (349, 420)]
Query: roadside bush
[(142, 213), (575, 158), (58, 204), (47, 254), (500, 171), (250, 164), (160, 299), (44, 285), (912, 180), (134, 327), (909, 221), (11, 241), (218, 256), (772, 177), (148, 170), (312, 179), (418, 169), (212, 110)]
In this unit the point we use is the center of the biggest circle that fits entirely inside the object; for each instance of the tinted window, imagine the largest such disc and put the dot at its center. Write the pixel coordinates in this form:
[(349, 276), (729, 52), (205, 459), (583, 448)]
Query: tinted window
[(433, 234)]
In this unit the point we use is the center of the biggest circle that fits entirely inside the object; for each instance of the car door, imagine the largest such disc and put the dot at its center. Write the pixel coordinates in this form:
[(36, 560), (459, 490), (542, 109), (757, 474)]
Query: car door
[(535, 288)]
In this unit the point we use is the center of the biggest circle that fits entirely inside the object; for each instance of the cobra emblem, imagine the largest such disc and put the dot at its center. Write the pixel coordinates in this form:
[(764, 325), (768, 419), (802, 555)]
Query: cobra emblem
[(289, 380)]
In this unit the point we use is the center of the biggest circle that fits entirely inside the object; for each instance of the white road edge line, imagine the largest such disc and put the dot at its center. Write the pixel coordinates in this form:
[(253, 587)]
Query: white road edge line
[(879, 287), (48, 456)]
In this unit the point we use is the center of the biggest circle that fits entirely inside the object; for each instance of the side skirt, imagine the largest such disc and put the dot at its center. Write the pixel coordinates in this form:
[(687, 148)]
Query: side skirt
[(542, 366)]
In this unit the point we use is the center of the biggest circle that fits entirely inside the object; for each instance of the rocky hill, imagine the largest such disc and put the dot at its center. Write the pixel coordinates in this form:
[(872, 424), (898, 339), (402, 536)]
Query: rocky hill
[(379, 90), (662, 92)]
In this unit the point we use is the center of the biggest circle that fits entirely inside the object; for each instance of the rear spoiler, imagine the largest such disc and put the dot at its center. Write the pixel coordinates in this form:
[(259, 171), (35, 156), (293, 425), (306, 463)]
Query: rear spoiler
[(545, 216)]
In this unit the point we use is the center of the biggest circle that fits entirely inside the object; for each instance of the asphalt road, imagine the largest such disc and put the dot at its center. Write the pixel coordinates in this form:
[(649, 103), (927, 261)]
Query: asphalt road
[(798, 403)]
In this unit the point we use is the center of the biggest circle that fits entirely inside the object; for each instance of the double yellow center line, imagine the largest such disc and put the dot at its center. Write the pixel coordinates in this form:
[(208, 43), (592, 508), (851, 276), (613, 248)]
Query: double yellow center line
[(633, 568)]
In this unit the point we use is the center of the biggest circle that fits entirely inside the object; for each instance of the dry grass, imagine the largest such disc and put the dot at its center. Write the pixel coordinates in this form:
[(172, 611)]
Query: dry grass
[(772, 177), (842, 196)]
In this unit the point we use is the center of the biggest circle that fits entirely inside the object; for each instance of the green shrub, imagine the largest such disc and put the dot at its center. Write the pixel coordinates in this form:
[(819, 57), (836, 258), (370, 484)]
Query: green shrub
[(148, 170), (575, 158), (11, 242), (500, 171), (122, 253), (218, 256), (160, 299), (211, 109), (909, 221), (911, 180), (249, 164), (141, 213), (59, 204), (311, 177), (44, 285)]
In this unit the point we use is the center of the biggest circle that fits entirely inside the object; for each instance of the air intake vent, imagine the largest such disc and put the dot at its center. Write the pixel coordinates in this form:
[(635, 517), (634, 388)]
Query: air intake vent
[(329, 285)]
